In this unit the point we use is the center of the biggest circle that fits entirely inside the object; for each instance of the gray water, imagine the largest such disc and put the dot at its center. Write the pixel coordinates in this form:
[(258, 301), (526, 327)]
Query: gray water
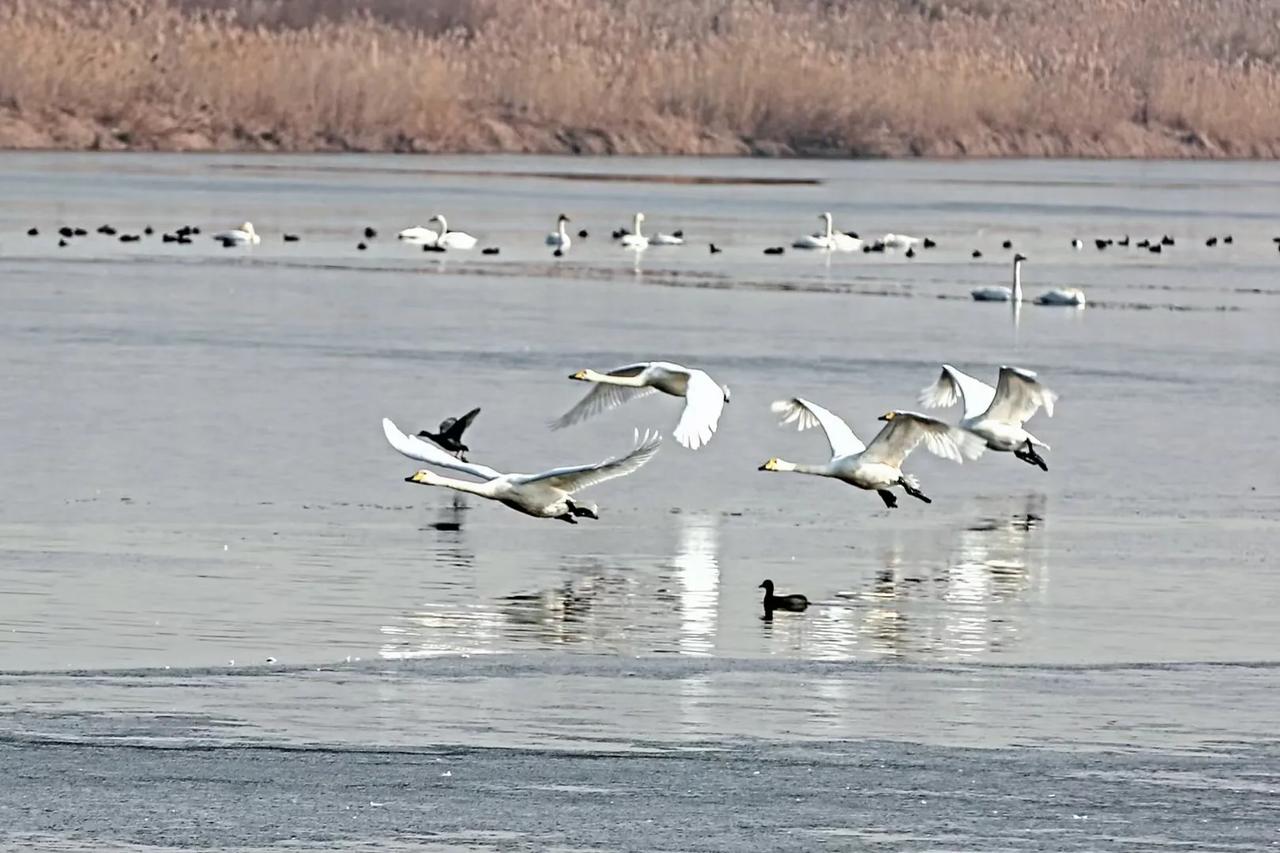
[(226, 621)]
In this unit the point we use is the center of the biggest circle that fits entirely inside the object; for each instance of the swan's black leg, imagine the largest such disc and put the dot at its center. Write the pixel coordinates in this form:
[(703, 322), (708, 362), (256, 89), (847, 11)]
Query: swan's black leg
[(914, 492), (1028, 454), (567, 517), (889, 498)]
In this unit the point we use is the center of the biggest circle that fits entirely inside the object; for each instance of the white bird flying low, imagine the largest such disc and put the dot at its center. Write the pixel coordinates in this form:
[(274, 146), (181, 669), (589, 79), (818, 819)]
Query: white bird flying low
[(996, 415), (550, 494), (244, 235), (876, 466), (704, 398)]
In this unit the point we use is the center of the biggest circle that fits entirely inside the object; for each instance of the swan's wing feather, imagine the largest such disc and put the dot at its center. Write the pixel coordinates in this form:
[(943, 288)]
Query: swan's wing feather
[(806, 415), (1018, 396), (907, 430), (704, 402), (604, 397), (416, 448), (575, 478), (953, 384)]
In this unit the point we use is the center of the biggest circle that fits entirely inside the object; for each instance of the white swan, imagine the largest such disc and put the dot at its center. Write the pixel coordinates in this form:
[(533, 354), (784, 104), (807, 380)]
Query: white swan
[(876, 466), (704, 398), (546, 495), (829, 240), (560, 237), (661, 239), (418, 235), (1070, 296), (1003, 294), (899, 241), (244, 235), (452, 239), (635, 240), (996, 415)]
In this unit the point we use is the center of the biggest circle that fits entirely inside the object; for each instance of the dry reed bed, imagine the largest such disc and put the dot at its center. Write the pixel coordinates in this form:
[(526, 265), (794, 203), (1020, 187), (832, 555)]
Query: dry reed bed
[(861, 77)]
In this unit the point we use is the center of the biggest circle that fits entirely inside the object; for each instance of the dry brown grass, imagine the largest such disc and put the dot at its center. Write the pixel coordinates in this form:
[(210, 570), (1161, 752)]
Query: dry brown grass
[(936, 77)]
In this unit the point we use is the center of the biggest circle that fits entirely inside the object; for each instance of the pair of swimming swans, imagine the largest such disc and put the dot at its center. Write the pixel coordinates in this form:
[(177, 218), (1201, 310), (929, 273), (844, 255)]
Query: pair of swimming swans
[(636, 240), (1067, 296), (442, 239)]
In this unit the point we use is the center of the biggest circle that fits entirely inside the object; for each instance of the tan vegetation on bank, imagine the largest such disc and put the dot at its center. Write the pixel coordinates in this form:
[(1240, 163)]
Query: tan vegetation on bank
[(841, 77)]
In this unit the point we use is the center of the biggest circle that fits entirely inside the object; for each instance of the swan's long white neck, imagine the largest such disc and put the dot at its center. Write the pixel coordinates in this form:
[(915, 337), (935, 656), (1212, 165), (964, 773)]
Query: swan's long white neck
[(635, 228), (792, 467), (444, 226), (830, 228), (629, 381), (1017, 281), (563, 234), (484, 490)]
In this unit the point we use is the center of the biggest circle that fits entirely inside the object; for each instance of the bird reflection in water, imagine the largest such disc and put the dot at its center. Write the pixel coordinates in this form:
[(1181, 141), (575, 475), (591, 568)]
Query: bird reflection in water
[(697, 575), (450, 543)]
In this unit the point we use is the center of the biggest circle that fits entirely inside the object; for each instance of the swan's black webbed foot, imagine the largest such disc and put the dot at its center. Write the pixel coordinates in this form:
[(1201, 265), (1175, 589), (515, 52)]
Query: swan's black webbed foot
[(914, 492), (567, 517), (889, 498), (1028, 454), (582, 511)]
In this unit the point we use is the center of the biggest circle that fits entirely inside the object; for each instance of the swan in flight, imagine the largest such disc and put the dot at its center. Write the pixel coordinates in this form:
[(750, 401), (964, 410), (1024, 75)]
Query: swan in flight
[(244, 235), (450, 435), (876, 466), (704, 398), (829, 240), (1070, 296), (447, 239), (546, 495), (996, 415), (635, 240), (1003, 294), (560, 237)]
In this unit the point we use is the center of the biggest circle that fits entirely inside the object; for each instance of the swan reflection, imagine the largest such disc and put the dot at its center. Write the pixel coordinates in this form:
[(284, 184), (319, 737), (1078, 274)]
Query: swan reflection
[(697, 575)]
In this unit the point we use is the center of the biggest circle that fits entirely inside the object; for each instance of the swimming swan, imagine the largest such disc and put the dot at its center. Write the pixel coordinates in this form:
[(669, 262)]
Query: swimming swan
[(546, 495), (899, 241), (1003, 294), (876, 466), (560, 237), (704, 398), (1070, 296), (996, 415), (635, 240), (418, 235), (829, 239), (239, 236), (447, 239)]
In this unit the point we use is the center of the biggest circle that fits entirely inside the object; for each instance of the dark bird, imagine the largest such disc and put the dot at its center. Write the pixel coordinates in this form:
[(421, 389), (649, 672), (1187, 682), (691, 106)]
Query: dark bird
[(148, 231), (227, 243), (930, 244), (291, 238), (794, 603), (774, 250), (1166, 240), (911, 253), (976, 254), (491, 250), (1143, 244), (361, 246), (1212, 241), (583, 233), (678, 233), (62, 244), (79, 232), (66, 231), (107, 230), (130, 238), (1007, 244), (1155, 248), (878, 246), (433, 248), (168, 238), (1101, 244), (558, 253), (369, 233), (450, 435), (715, 250), (183, 240), (1123, 241), (33, 232), (618, 233), (1228, 239)]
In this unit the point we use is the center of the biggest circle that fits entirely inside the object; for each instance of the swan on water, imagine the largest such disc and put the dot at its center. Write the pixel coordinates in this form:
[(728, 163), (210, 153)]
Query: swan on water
[(244, 235), (1003, 294), (634, 239), (704, 398), (876, 466), (899, 241), (660, 239), (830, 239), (1069, 296), (560, 237), (418, 235), (447, 239), (450, 435), (549, 494), (996, 415)]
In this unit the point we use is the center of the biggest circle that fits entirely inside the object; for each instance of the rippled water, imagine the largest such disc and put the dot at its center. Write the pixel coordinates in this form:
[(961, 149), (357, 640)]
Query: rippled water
[(205, 539)]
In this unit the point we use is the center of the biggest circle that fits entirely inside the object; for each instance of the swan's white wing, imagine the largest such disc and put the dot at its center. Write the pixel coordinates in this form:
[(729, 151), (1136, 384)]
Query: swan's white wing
[(1018, 395), (704, 401), (904, 432), (806, 415), (578, 477), (416, 448), (952, 384), (604, 397)]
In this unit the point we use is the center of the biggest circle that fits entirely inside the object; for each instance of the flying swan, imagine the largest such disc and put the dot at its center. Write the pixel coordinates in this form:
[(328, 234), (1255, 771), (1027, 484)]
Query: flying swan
[(829, 239), (877, 466), (244, 235), (996, 415), (546, 495), (704, 398)]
